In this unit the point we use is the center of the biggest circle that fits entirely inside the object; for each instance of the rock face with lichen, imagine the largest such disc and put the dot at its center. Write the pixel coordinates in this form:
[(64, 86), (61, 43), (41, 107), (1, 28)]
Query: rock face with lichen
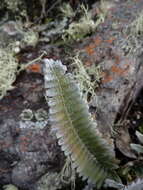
[(117, 49), (28, 148)]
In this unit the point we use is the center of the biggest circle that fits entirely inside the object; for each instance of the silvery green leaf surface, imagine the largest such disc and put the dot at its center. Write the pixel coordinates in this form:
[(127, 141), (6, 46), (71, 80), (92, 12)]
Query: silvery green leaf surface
[(137, 147), (69, 116), (140, 136)]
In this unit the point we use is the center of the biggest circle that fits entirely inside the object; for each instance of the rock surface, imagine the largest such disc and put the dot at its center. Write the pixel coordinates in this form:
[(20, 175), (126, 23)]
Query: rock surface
[(28, 149)]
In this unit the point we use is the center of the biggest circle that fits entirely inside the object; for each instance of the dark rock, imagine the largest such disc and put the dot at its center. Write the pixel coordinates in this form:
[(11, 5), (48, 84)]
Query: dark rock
[(28, 149)]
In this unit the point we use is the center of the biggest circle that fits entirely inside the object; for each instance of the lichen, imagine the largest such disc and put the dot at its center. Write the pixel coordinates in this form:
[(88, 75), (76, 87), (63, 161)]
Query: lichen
[(85, 25), (33, 119), (41, 115), (52, 30), (12, 4), (54, 180), (136, 26), (105, 5), (10, 187), (67, 10), (134, 32), (83, 75), (30, 38), (8, 68), (26, 114), (68, 173), (17, 7), (50, 181)]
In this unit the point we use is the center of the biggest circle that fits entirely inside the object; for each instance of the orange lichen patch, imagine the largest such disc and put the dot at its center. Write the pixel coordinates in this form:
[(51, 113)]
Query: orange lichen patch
[(35, 68), (90, 49), (4, 170), (110, 40), (117, 59), (106, 77), (97, 41), (24, 142), (119, 70)]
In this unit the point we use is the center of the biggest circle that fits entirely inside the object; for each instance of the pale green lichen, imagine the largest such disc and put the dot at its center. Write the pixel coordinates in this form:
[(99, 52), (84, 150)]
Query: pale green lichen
[(73, 25), (85, 25), (12, 4), (67, 10), (50, 181), (33, 119), (8, 61), (68, 173), (41, 115), (26, 114), (8, 70), (10, 187), (54, 180), (83, 76), (30, 37), (105, 5), (134, 32), (17, 7), (136, 27)]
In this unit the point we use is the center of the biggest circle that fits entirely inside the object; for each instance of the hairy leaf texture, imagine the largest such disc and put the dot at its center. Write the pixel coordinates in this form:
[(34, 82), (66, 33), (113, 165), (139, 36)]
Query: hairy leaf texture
[(74, 127)]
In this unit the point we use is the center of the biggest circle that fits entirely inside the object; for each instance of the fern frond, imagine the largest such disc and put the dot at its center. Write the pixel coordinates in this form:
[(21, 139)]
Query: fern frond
[(137, 147), (74, 127)]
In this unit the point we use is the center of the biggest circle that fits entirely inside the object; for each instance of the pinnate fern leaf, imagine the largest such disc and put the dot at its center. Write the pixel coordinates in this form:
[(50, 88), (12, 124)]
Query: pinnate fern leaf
[(70, 118), (137, 147)]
